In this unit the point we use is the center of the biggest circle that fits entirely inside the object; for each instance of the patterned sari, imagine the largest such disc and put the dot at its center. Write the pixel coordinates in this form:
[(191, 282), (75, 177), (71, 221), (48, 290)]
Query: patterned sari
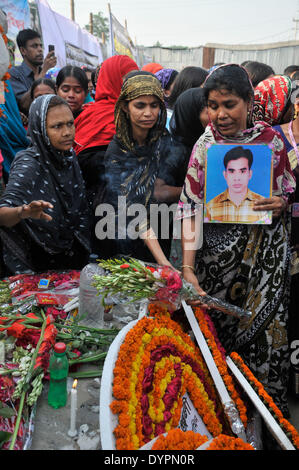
[(248, 265)]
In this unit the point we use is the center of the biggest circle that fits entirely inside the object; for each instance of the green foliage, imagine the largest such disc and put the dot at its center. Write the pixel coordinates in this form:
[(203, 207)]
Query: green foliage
[(6, 411), (100, 25), (4, 437), (179, 47)]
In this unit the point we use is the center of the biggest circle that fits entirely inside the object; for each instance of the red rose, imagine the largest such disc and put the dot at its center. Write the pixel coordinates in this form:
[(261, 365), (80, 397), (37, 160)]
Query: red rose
[(174, 282), (152, 270)]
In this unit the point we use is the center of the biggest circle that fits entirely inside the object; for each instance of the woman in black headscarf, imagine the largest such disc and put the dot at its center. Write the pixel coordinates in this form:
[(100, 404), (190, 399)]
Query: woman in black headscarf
[(43, 211), (141, 154), (190, 117)]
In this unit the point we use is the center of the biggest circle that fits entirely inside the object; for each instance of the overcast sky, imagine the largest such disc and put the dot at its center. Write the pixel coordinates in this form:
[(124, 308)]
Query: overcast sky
[(195, 22)]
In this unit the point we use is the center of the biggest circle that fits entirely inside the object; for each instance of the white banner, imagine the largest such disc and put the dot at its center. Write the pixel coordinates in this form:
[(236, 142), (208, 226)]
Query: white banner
[(63, 33)]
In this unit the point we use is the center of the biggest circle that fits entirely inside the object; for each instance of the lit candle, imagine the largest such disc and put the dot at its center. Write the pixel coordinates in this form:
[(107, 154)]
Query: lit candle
[(73, 431)]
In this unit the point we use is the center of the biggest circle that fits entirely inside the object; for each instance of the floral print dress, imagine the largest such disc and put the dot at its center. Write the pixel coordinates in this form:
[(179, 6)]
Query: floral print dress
[(248, 265)]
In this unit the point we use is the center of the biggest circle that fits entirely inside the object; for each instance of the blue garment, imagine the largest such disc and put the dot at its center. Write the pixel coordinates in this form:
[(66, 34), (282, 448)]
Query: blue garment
[(21, 78), (169, 114), (286, 142), (88, 99), (13, 137)]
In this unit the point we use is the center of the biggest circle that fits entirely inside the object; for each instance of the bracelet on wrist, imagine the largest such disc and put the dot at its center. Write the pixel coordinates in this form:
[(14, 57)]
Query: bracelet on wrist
[(187, 266), (20, 212)]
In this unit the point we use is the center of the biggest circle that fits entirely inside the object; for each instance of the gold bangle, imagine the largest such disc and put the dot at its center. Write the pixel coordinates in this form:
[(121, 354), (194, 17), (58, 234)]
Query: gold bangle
[(187, 266)]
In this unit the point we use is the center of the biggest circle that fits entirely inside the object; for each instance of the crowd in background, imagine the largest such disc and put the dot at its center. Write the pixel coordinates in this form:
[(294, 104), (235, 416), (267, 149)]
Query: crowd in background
[(77, 139)]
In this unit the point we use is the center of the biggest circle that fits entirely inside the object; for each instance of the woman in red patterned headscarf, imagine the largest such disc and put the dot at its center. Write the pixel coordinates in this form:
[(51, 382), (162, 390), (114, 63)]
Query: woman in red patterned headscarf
[(272, 100), (95, 125)]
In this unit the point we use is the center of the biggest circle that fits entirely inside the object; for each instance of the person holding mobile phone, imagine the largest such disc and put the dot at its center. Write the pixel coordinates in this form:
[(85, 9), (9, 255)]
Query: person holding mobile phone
[(34, 66)]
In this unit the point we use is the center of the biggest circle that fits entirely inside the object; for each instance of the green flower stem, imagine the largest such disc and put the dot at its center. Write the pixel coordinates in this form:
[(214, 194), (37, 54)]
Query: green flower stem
[(90, 329), (86, 374), (35, 354), (7, 371), (88, 358), (18, 420), (26, 383)]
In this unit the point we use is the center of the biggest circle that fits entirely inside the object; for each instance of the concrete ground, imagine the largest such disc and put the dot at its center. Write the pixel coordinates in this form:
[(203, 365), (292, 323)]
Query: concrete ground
[(51, 426)]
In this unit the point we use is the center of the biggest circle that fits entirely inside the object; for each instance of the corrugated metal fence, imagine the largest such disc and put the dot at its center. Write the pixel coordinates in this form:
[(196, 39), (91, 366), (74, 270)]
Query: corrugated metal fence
[(278, 55)]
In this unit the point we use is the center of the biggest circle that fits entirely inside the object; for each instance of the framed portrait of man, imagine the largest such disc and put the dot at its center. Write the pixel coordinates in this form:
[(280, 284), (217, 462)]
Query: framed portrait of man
[(236, 176)]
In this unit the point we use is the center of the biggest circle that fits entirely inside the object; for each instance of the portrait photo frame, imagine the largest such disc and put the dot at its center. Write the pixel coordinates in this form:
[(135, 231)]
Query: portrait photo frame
[(236, 176)]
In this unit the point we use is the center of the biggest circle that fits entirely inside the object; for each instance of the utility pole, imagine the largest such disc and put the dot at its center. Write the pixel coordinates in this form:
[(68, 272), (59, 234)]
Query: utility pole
[(91, 23), (73, 10), (296, 21)]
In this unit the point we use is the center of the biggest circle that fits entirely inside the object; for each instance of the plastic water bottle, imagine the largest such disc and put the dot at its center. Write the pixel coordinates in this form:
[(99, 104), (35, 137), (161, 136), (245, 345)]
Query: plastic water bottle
[(58, 368), (90, 303)]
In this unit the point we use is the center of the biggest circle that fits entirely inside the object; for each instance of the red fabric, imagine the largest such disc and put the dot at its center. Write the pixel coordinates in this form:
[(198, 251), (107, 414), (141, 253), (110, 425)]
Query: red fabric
[(95, 124), (272, 96), (152, 67)]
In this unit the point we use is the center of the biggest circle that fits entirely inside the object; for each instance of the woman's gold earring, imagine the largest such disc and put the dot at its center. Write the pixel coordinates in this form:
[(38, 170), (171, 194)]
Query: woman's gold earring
[(295, 114)]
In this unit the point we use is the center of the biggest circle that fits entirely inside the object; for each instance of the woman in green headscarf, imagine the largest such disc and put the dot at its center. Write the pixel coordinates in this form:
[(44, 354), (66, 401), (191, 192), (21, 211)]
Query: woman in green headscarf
[(143, 164)]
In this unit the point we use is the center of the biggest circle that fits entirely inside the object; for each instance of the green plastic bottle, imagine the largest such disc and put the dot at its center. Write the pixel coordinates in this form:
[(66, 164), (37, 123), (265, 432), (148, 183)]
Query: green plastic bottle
[(58, 368)]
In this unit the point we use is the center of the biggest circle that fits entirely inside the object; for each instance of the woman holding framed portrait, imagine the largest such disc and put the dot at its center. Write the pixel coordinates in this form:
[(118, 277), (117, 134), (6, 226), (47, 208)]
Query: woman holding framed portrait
[(246, 265), (290, 134)]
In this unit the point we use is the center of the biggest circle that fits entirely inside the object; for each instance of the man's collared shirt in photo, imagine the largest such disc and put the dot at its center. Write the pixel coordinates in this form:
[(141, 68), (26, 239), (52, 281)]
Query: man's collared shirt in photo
[(222, 209)]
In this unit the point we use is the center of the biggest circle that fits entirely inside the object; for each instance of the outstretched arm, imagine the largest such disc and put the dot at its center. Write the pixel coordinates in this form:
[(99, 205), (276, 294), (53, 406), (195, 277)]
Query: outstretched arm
[(10, 216)]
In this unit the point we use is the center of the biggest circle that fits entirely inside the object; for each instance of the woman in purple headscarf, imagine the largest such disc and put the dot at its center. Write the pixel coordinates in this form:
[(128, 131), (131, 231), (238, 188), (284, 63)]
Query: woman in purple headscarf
[(167, 78)]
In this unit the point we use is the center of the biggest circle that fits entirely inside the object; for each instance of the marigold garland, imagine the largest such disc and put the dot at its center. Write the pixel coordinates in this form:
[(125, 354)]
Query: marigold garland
[(176, 439), (224, 442), (218, 353), (287, 427), (157, 363)]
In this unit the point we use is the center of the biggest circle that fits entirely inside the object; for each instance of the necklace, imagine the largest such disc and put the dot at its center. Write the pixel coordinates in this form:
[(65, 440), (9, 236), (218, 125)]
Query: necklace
[(294, 144)]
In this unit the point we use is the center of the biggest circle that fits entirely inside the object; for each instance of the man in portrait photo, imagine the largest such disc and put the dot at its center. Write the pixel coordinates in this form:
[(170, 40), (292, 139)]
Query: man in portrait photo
[(236, 203)]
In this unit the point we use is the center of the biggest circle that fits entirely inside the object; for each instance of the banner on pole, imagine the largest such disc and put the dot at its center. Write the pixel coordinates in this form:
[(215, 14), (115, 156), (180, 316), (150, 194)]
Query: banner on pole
[(78, 57), (121, 42)]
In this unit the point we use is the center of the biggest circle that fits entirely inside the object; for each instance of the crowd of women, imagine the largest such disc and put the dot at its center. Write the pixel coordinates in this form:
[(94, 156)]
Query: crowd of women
[(142, 136)]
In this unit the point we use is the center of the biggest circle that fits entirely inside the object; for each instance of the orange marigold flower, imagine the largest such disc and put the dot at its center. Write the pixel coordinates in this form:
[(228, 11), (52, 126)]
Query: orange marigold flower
[(224, 442), (176, 439), (148, 412), (286, 426)]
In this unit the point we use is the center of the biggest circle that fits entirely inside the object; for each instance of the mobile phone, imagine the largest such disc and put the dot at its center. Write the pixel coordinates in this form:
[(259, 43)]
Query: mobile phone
[(51, 47)]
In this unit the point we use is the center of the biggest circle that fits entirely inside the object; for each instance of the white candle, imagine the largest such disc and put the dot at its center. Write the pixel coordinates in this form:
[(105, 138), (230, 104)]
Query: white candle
[(73, 431)]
